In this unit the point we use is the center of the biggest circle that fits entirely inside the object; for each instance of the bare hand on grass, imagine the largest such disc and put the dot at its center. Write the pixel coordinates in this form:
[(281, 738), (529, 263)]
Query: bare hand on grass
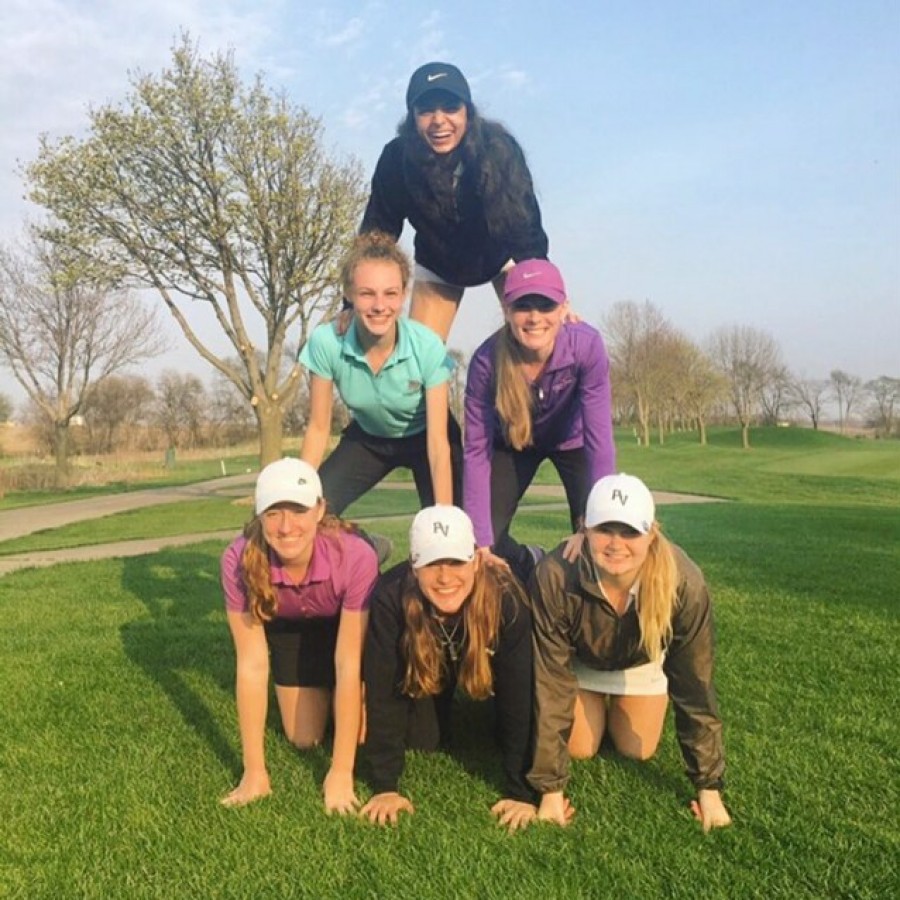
[(253, 786), (514, 814), (340, 797), (709, 810), (557, 808), (385, 808)]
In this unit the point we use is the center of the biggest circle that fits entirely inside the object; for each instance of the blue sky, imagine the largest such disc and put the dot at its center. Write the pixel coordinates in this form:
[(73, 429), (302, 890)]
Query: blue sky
[(732, 162)]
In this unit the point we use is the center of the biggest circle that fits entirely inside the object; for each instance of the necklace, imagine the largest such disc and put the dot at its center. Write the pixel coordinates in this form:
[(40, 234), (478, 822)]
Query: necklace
[(448, 640)]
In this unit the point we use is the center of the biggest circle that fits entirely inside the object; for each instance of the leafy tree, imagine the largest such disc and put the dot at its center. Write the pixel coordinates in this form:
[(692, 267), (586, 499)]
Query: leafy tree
[(885, 394), (846, 390), (62, 333), (213, 194), (749, 359)]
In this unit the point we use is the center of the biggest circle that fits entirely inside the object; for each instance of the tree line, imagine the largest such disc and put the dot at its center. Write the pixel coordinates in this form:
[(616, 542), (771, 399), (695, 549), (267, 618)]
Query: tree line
[(217, 197), (663, 380)]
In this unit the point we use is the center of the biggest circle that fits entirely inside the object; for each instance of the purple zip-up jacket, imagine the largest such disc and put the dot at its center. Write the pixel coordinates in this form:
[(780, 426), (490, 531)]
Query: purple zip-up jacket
[(572, 408)]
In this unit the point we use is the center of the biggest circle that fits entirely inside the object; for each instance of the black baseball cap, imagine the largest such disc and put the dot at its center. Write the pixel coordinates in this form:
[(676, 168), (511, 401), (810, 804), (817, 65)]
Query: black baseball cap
[(437, 76)]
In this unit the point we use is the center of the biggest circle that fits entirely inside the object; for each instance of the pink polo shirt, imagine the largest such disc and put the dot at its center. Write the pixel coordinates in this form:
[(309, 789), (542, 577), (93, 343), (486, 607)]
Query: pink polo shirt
[(341, 575)]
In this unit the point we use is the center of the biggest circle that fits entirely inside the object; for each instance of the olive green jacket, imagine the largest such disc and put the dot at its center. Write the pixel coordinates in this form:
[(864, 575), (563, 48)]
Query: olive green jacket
[(572, 617)]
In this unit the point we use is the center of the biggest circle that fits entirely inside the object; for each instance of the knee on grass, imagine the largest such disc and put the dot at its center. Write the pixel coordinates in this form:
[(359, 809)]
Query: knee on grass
[(305, 741), (638, 750)]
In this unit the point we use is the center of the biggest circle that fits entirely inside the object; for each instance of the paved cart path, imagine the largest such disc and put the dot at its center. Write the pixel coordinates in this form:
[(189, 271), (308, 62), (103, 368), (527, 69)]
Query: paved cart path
[(19, 522)]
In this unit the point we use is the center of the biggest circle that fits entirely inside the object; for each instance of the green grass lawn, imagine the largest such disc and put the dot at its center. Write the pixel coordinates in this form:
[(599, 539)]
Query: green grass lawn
[(119, 729)]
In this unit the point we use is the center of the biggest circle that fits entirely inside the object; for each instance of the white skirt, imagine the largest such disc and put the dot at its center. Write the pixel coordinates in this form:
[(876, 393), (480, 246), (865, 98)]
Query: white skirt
[(647, 680)]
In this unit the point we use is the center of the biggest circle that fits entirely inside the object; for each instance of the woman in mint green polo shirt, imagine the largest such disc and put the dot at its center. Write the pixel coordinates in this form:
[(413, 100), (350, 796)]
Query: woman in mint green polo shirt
[(393, 375)]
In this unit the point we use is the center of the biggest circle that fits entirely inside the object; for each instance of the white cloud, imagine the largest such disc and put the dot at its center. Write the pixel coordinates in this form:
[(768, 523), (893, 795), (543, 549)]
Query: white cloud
[(515, 78), (429, 45), (369, 106), (58, 57), (347, 35)]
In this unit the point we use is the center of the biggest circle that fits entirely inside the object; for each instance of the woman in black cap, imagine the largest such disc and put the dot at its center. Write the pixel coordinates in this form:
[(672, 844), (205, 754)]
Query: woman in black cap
[(464, 186)]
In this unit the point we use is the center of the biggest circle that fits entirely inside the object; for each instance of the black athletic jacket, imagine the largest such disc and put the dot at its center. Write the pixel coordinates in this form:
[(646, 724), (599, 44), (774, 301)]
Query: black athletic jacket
[(460, 249), (388, 710)]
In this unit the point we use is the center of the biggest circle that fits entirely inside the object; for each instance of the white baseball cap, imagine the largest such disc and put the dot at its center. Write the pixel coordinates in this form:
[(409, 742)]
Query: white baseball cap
[(287, 481), (440, 532), (620, 498)]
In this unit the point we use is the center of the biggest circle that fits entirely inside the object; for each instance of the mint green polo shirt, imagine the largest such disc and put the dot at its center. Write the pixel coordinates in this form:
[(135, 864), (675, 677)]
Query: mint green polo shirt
[(390, 404)]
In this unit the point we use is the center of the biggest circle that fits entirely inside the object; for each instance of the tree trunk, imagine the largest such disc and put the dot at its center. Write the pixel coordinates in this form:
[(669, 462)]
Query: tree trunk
[(745, 435), (701, 425), (61, 451), (270, 417)]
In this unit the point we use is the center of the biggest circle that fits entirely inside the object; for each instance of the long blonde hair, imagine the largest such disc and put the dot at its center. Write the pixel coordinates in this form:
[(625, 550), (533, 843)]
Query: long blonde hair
[(261, 594), (657, 594), (426, 667), (512, 393)]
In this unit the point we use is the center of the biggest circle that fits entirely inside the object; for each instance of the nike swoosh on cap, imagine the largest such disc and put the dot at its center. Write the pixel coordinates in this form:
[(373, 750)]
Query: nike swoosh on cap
[(530, 274), (436, 76)]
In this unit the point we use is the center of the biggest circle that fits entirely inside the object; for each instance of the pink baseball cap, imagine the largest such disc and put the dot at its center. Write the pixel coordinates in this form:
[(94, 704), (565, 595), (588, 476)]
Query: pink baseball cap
[(534, 276)]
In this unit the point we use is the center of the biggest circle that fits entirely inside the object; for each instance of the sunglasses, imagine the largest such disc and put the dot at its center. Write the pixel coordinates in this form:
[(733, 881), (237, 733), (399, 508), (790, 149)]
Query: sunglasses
[(620, 529), (429, 107), (534, 301)]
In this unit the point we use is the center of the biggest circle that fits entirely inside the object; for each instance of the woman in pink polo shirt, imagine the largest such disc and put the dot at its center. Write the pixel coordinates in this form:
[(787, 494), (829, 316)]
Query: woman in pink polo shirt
[(297, 586)]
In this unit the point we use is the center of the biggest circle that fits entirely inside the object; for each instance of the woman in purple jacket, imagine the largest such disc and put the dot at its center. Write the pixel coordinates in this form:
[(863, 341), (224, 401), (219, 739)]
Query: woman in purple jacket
[(537, 389)]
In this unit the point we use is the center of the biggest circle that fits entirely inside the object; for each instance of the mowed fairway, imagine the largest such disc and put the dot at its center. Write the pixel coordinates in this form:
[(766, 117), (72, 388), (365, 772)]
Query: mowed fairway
[(119, 731)]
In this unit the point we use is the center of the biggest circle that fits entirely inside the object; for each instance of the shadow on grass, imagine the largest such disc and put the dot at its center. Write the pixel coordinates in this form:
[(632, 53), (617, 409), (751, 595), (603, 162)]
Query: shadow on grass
[(473, 745), (184, 637), (183, 645)]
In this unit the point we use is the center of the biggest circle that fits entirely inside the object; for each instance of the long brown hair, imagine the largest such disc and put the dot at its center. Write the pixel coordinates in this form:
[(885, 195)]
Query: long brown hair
[(511, 390), (257, 575), (493, 163), (426, 666)]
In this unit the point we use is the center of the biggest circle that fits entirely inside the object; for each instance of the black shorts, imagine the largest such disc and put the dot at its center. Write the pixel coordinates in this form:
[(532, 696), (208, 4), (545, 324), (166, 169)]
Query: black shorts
[(301, 651)]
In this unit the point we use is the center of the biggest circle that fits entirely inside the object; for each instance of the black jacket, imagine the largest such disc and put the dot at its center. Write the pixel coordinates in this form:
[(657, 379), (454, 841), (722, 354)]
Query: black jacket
[(459, 248), (388, 709), (572, 617)]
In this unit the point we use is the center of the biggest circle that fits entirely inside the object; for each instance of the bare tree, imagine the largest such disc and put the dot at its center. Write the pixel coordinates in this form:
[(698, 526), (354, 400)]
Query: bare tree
[(116, 403), (885, 394), (216, 194), (62, 333), (777, 396), (180, 408), (846, 390), (703, 387), (748, 358), (810, 395), (6, 408), (636, 336), (458, 385), (230, 415)]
